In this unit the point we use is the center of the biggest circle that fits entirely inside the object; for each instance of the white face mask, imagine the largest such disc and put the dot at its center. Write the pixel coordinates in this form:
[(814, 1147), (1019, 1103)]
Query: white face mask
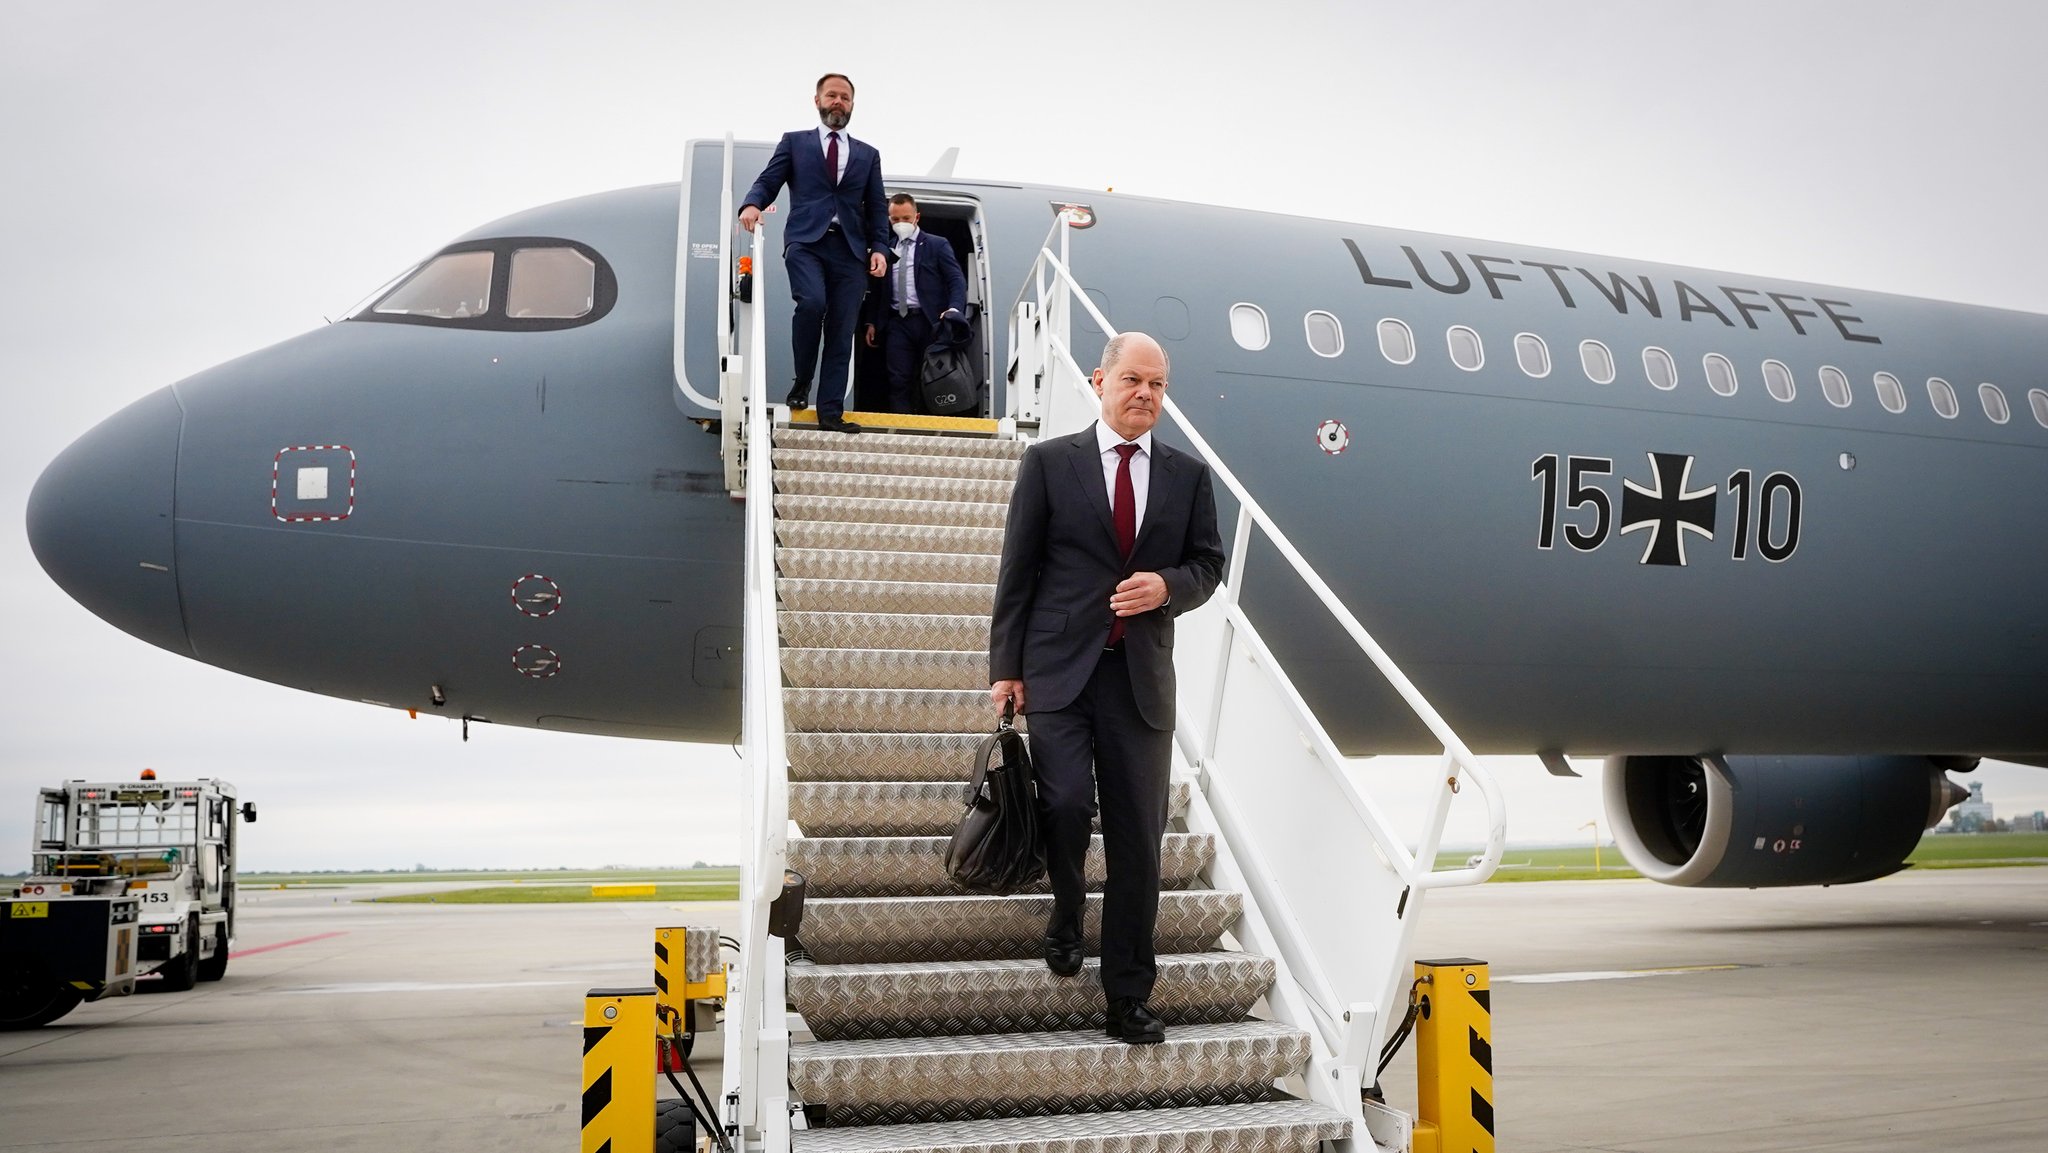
[(904, 229)]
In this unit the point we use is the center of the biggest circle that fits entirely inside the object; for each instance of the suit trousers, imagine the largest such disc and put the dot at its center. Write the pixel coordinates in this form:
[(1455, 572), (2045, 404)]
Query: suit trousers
[(904, 344), (827, 282), (1100, 748)]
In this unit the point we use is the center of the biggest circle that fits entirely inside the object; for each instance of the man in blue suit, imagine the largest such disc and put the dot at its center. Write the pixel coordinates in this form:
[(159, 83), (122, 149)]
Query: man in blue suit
[(924, 287), (836, 237)]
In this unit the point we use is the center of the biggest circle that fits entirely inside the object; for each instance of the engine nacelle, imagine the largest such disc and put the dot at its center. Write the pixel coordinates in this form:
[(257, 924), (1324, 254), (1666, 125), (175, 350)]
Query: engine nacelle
[(1756, 822)]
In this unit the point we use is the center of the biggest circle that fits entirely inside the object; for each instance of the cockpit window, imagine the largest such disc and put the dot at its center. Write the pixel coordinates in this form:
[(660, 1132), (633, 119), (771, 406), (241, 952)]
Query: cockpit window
[(448, 287), (508, 284), (555, 283)]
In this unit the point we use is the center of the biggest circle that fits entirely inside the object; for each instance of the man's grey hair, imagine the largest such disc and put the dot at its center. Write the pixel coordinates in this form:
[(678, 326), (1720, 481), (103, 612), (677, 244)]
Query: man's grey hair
[(1113, 351)]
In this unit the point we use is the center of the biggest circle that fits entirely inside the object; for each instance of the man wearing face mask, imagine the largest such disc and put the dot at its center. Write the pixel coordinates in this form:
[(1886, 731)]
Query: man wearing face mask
[(924, 286), (836, 237)]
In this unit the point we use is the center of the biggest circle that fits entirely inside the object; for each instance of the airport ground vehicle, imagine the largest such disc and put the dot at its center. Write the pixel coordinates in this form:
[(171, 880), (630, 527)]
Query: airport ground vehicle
[(128, 878)]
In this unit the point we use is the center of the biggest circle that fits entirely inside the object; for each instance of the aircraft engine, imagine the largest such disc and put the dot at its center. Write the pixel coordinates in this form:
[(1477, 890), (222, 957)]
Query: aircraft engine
[(1755, 822)]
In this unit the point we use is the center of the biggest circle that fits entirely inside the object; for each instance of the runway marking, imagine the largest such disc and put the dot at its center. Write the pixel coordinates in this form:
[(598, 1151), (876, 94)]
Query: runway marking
[(286, 944), (1609, 974), (418, 986)]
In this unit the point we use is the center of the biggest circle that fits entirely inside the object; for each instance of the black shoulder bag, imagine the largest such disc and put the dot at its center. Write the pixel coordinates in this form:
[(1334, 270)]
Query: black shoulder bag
[(997, 848)]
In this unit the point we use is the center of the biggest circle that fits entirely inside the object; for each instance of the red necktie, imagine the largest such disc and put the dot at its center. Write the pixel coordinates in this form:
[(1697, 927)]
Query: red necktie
[(1123, 513), (832, 157)]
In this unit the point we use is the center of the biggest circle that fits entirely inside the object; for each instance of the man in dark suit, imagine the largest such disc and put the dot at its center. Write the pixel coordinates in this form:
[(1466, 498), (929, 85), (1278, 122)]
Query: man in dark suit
[(924, 286), (1111, 535), (836, 237)]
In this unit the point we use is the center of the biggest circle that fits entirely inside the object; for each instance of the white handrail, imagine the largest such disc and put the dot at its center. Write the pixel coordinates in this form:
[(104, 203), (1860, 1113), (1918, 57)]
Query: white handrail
[(761, 1033)]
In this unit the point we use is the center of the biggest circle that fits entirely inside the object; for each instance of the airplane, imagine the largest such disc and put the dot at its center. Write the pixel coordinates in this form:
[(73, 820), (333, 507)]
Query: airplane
[(1771, 547)]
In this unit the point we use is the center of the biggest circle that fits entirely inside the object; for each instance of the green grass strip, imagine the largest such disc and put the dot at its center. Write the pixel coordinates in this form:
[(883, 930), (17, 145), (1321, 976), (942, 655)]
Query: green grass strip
[(564, 895)]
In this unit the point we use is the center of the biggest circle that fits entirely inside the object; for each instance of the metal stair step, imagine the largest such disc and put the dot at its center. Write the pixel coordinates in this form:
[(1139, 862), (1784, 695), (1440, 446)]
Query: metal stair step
[(961, 539), (899, 444), (829, 596), (1283, 1126), (838, 460), (884, 669), (941, 998), (926, 633), (902, 808), (898, 1079), (913, 488), (882, 756), (911, 866), (878, 510), (875, 565), (848, 930), (887, 711)]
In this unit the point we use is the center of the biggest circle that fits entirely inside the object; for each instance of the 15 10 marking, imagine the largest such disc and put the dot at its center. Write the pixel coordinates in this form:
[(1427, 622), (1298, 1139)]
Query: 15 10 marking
[(1666, 508)]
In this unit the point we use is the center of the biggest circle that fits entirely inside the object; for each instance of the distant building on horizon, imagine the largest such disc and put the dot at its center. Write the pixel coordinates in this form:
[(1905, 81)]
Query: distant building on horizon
[(1973, 815)]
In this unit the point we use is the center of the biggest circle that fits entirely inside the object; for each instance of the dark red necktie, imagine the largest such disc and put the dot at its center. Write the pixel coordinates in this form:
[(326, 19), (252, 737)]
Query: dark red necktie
[(832, 157), (1123, 513)]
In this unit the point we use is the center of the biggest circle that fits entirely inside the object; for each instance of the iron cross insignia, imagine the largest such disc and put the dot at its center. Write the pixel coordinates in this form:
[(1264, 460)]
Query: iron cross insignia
[(1667, 517)]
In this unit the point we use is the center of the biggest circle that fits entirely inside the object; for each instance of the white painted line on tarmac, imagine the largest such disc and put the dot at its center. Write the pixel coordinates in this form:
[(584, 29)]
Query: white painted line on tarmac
[(416, 986), (1609, 974)]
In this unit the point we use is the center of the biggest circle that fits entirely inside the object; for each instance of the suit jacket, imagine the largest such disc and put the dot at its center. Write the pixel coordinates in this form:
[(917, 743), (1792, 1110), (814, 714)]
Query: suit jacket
[(1061, 563), (858, 198), (940, 283)]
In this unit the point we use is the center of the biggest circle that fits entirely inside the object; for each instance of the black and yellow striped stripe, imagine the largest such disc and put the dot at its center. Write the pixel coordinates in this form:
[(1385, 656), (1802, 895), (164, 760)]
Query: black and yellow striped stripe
[(618, 1071), (1454, 1081)]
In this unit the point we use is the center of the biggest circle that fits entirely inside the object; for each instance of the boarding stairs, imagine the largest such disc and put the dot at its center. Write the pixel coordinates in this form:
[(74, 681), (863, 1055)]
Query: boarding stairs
[(922, 1017)]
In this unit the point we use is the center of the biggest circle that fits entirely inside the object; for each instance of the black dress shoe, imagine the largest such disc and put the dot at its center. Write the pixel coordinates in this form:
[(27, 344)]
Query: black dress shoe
[(1062, 957), (1131, 1021), (837, 424), (799, 396)]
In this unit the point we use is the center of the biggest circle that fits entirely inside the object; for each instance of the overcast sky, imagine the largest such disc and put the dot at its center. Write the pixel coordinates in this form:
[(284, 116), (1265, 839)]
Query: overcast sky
[(185, 183)]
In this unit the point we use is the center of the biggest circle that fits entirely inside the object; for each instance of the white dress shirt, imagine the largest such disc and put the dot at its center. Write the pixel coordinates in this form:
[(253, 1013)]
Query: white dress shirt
[(845, 148), (1106, 441)]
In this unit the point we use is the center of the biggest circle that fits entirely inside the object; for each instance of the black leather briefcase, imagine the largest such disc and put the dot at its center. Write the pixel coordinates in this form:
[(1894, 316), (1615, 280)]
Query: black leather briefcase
[(997, 848)]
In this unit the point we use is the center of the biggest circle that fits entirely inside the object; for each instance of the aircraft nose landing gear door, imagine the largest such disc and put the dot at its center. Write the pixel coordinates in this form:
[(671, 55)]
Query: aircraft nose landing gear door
[(709, 244)]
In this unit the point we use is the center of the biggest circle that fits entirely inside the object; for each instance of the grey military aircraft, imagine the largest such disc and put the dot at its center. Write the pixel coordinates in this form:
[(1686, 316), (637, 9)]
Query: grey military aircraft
[(1777, 549)]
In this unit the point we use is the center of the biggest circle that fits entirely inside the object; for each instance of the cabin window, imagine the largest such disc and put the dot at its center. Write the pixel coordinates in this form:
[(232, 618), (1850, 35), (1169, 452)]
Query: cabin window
[(448, 287), (1942, 397), (1660, 368), (1720, 374), (1778, 381), (1397, 342), (1597, 361), (1994, 404), (1466, 350), (1325, 333), (1834, 384), (2038, 401), (1890, 393), (1248, 327), (1532, 354), (550, 284)]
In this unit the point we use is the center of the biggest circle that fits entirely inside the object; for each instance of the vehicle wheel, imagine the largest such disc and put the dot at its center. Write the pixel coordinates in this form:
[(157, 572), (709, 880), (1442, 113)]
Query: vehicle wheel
[(215, 967), (675, 1126), (180, 972), (30, 998)]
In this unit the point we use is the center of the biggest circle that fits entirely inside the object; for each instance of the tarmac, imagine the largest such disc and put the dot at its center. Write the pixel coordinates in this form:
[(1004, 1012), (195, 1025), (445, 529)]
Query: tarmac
[(1906, 1014)]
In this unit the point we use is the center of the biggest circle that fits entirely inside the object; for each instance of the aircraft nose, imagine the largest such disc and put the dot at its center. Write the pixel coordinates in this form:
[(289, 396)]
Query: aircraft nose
[(99, 520)]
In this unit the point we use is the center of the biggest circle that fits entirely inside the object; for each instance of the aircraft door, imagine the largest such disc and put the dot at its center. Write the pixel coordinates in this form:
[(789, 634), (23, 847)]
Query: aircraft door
[(702, 279)]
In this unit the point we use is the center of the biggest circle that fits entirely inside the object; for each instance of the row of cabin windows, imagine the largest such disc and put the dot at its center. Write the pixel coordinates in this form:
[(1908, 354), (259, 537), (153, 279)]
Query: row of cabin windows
[(1248, 326)]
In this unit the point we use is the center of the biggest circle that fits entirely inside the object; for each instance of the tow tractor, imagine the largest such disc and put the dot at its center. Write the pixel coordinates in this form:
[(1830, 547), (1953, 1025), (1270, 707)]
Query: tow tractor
[(129, 879)]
